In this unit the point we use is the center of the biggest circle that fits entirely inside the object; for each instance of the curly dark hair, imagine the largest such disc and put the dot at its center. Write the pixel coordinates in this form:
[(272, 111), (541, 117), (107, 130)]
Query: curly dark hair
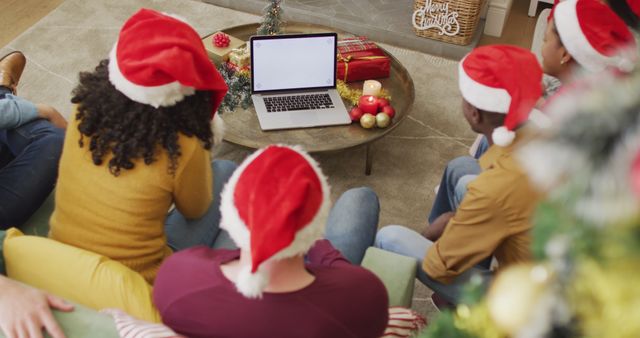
[(130, 130)]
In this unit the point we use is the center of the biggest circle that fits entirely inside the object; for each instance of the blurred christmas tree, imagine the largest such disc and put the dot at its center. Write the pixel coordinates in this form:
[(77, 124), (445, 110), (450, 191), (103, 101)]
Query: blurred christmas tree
[(272, 19), (239, 92), (239, 82), (585, 282)]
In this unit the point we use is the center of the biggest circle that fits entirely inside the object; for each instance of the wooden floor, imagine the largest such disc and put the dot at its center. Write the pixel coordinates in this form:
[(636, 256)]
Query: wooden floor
[(16, 16), (519, 27)]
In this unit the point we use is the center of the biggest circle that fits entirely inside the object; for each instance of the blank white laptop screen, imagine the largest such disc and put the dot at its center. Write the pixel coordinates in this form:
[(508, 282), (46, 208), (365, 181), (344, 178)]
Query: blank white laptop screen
[(293, 63)]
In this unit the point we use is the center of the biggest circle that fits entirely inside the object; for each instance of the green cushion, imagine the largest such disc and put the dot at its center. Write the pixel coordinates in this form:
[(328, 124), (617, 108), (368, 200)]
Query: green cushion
[(83, 322), (397, 272), (38, 223)]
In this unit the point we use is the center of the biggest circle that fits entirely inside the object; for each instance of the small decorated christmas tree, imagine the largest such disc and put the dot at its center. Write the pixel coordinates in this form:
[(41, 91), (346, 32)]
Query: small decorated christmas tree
[(272, 19), (239, 93)]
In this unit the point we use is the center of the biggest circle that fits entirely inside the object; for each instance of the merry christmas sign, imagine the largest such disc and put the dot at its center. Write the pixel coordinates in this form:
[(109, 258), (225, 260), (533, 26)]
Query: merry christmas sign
[(436, 15)]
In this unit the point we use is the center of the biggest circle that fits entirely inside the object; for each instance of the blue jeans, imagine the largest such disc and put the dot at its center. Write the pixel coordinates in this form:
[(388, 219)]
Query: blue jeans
[(29, 158), (458, 173), (404, 241), (183, 233), (351, 226), (353, 221)]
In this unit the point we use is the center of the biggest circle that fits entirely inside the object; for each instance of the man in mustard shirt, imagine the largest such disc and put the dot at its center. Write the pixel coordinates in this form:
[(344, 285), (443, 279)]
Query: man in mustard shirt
[(500, 86)]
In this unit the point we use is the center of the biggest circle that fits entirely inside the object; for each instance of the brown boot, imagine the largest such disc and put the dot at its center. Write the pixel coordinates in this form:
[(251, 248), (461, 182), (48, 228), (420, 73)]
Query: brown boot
[(11, 67)]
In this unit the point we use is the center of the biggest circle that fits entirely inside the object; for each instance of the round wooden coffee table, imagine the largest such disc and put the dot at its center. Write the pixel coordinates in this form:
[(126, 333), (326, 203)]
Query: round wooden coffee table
[(242, 126)]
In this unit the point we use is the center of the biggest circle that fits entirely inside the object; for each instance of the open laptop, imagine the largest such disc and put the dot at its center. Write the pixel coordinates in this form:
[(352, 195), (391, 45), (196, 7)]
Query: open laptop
[(293, 81)]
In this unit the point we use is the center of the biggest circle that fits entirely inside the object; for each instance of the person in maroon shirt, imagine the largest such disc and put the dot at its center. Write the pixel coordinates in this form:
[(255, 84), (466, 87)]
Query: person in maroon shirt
[(284, 281)]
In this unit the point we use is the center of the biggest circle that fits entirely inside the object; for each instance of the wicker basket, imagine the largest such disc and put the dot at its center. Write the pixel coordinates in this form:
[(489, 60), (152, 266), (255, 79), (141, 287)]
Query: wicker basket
[(452, 21)]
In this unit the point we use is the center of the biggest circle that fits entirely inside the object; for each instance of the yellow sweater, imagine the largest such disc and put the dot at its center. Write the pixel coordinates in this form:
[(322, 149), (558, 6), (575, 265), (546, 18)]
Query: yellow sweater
[(123, 217), (494, 218)]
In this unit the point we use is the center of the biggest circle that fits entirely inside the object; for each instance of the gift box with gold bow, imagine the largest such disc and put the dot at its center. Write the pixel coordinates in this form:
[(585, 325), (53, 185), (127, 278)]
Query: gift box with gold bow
[(360, 59), (220, 54)]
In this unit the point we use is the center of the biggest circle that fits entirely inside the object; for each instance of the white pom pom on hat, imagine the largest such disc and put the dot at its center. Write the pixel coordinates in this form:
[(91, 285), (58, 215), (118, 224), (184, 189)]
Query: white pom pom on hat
[(218, 128), (502, 79), (251, 284), (503, 136), (274, 206)]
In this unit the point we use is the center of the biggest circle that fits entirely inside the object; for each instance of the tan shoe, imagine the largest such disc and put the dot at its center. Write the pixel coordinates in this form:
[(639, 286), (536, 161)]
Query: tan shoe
[(11, 67)]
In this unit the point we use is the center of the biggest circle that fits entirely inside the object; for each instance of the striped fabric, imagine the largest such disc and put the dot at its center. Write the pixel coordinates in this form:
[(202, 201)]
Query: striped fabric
[(355, 44), (129, 327), (403, 322)]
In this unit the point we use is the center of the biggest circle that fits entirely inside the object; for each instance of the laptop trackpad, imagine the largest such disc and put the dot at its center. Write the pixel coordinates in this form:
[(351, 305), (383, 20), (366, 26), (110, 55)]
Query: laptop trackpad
[(303, 118)]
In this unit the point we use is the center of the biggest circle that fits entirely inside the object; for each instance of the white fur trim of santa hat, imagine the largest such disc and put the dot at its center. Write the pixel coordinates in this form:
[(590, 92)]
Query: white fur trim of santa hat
[(574, 39), (156, 96), (250, 284), (481, 96)]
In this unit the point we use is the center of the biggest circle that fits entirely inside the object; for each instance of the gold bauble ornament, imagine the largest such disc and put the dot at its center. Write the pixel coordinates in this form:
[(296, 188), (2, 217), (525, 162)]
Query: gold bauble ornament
[(382, 120), (513, 296), (606, 297), (367, 121)]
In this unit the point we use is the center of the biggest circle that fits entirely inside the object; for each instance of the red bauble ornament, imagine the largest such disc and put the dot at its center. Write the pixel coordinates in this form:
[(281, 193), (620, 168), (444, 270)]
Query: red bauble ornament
[(389, 111), (382, 102), (355, 114), (221, 40)]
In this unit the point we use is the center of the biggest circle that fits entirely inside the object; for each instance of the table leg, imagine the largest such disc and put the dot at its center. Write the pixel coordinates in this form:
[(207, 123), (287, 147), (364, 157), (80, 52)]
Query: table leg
[(368, 160)]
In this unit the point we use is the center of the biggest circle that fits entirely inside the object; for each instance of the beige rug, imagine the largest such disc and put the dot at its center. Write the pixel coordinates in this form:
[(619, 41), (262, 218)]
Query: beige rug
[(407, 163)]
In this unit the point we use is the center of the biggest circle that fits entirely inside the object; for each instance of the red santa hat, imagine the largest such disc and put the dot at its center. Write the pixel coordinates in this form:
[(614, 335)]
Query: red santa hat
[(274, 206), (502, 79), (553, 9), (634, 5), (159, 60), (594, 35)]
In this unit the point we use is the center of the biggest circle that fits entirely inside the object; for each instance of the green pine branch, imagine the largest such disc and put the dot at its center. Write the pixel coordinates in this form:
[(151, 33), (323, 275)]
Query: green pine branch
[(272, 19)]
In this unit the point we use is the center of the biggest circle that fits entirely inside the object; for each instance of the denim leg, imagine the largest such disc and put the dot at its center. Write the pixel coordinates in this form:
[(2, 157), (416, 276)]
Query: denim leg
[(29, 177), (461, 189), (403, 241), (445, 198), (352, 223), (183, 233), (224, 241), (406, 242)]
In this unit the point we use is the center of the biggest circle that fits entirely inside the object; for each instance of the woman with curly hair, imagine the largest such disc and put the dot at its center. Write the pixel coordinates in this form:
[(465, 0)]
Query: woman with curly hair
[(139, 143)]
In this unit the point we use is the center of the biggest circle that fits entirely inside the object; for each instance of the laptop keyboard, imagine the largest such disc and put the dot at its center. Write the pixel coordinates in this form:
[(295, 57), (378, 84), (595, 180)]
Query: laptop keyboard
[(298, 102)]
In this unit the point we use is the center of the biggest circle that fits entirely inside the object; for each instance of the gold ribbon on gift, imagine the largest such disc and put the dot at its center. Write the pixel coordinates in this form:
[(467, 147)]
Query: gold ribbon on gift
[(350, 58)]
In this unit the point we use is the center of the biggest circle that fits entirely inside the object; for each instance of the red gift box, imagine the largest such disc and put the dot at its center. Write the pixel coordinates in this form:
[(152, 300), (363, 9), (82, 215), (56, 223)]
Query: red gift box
[(363, 65), (361, 59)]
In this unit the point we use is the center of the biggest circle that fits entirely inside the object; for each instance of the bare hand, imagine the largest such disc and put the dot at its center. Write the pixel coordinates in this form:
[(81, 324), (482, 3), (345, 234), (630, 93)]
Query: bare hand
[(434, 230), (24, 311), (49, 113)]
